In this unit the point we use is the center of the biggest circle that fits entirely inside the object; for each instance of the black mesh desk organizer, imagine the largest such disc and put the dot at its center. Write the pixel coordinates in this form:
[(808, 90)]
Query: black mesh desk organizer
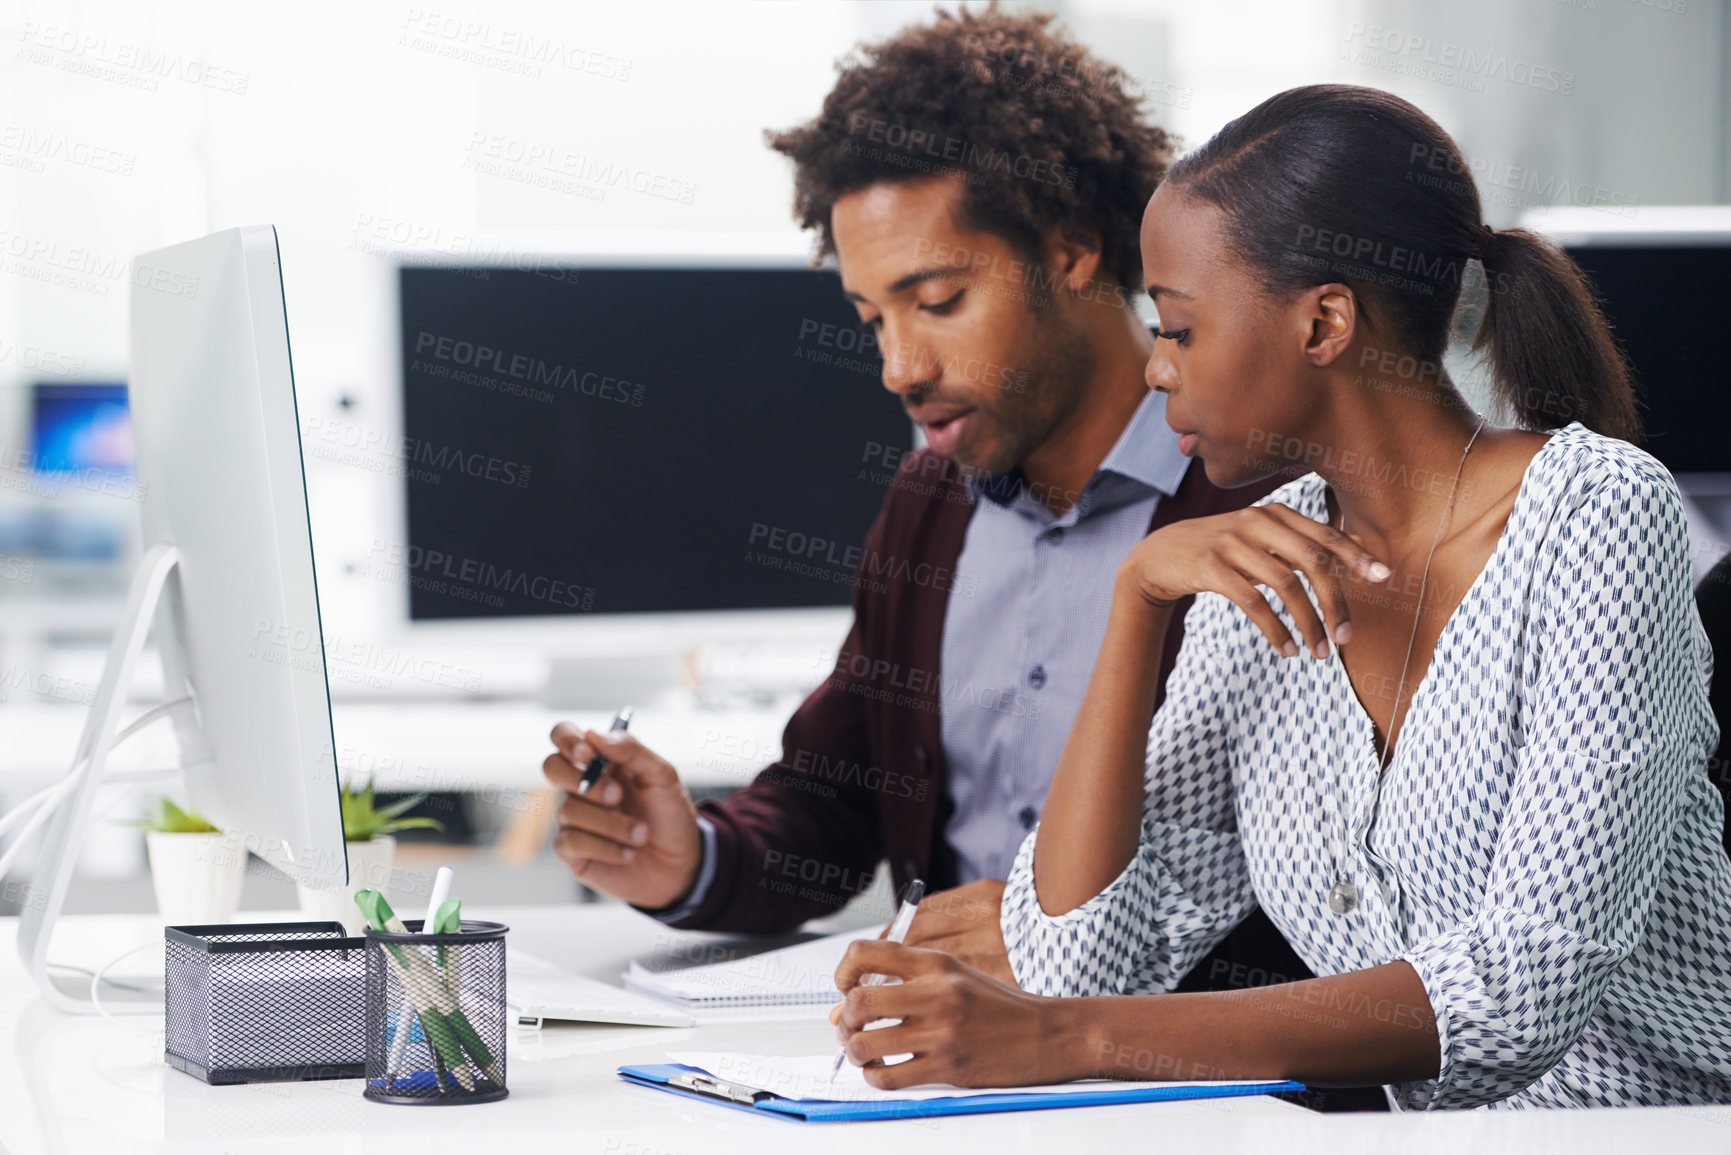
[(436, 1022), (261, 1002)]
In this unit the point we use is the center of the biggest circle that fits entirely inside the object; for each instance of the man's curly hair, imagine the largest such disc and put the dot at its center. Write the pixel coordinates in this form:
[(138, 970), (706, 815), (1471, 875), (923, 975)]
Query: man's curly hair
[(1045, 135)]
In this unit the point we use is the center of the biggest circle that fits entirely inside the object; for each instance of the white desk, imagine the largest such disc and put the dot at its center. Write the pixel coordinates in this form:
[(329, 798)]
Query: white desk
[(83, 1084), (444, 745)]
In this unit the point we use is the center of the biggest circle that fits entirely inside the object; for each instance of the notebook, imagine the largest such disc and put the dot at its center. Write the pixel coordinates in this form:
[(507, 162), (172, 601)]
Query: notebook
[(799, 1088), (539, 991), (795, 975)]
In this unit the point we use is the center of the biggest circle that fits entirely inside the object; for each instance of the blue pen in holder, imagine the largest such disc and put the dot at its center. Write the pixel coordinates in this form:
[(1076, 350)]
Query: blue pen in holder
[(436, 1021)]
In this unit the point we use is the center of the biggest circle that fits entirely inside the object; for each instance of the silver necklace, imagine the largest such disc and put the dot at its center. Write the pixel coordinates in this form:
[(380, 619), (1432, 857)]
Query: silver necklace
[(1343, 895)]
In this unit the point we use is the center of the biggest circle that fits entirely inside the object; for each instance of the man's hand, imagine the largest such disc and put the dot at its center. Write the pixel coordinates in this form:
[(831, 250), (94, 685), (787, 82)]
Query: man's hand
[(964, 922), (634, 835)]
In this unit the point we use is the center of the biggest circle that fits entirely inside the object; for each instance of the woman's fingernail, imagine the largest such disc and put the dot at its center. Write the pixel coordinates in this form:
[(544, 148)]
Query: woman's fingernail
[(610, 793), (627, 854), (1377, 571), (1343, 633), (640, 833), (1290, 649), (1321, 650)]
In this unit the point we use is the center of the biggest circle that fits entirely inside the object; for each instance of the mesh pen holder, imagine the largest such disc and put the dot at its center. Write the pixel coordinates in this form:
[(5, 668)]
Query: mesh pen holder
[(435, 1015)]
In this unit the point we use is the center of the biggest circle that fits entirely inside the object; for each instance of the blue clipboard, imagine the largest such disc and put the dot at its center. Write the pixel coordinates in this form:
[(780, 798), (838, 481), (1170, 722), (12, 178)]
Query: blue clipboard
[(696, 1083)]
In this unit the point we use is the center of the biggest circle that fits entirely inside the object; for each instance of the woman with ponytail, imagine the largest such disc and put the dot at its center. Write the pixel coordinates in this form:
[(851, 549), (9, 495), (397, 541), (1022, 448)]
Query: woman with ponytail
[(1441, 703)]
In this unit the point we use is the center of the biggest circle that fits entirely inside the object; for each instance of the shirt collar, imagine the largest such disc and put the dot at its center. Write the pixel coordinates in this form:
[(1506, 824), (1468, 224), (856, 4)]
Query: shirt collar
[(1146, 452)]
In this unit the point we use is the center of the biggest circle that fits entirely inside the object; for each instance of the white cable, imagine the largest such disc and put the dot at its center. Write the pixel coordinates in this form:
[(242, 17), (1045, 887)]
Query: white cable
[(42, 805), (47, 800), (20, 811), (96, 999), (46, 810), (49, 796), (43, 813)]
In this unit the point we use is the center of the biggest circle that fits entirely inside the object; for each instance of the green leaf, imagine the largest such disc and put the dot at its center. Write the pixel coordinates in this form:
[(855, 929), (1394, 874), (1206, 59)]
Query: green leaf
[(401, 805), (397, 824), (171, 819), (363, 820)]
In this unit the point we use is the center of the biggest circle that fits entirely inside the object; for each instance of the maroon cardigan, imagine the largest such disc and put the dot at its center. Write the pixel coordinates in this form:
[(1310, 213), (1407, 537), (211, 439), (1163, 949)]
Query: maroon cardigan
[(861, 775)]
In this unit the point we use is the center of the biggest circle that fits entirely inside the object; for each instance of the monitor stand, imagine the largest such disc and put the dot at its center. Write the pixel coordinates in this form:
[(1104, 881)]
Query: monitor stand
[(155, 587)]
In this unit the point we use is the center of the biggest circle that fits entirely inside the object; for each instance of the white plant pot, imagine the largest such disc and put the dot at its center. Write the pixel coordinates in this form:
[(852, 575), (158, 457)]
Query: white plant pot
[(197, 877), (369, 869)]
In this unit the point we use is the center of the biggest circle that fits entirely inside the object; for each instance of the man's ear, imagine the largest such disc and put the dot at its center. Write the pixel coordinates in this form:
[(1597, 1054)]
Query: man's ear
[(1076, 256), (1331, 322)]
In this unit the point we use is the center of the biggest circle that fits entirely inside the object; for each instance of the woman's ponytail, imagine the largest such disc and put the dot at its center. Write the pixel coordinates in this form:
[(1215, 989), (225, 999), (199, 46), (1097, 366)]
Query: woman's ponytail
[(1552, 356)]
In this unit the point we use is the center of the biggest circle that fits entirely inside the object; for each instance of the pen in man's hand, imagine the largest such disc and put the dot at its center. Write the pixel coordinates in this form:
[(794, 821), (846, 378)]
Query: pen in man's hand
[(898, 932), (598, 765)]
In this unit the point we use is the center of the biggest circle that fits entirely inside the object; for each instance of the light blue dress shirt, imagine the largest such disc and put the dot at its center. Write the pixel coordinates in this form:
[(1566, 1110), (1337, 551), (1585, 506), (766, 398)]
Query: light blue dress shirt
[(1017, 655)]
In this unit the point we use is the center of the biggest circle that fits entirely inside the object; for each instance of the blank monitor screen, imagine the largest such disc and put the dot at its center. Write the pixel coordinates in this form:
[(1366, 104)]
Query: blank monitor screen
[(1666, 304), (629, 440)]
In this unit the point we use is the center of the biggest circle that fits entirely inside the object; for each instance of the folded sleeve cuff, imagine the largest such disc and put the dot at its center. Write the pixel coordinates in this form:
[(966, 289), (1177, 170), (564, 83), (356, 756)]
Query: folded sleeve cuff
[(1084, 951), (1422, 1094)]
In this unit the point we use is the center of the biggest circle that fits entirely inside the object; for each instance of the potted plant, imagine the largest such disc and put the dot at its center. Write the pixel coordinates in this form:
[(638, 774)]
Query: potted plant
[(195, 869), (367, 830)]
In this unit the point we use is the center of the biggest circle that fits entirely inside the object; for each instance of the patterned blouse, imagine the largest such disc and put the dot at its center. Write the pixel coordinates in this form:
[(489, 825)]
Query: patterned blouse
[(1546, 849)]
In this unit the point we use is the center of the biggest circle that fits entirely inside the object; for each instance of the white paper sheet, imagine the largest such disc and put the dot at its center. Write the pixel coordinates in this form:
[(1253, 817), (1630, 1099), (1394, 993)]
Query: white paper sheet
[(807, 1077)]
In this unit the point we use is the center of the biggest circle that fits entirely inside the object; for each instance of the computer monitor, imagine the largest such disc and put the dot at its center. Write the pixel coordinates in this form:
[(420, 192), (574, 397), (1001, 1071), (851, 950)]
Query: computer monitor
[(80, 428), (1661, 274), (227, 579), (220, 467), (645, 454), (1666, 294)]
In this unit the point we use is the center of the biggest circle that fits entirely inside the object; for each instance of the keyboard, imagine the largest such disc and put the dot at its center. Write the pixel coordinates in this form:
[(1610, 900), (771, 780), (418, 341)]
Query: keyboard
[(536, 990)]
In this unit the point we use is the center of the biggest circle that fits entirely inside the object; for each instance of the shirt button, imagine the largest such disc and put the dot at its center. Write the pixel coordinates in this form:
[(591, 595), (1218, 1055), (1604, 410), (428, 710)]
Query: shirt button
[(1037, 677), (1027, 817)]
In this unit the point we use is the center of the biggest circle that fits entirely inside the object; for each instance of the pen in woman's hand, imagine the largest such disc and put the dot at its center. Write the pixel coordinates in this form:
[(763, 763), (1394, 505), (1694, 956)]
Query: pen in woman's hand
[(898, 932)]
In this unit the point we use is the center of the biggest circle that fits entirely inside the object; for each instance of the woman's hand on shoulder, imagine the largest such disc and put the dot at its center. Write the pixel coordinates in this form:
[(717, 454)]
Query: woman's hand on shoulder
[(1232, 553)]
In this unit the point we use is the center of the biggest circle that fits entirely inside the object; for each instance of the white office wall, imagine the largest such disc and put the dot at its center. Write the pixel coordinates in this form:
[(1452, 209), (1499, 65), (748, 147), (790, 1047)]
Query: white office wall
[(358, 127), (335, 117)]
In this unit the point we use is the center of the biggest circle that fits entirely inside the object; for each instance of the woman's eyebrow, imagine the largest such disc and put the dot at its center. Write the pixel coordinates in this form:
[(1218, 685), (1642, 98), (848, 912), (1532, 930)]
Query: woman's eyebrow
[(1154, 292)]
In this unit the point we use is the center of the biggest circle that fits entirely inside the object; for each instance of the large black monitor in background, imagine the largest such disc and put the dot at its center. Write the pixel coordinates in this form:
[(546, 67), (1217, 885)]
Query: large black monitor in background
[(630, 440), (1669, 301)]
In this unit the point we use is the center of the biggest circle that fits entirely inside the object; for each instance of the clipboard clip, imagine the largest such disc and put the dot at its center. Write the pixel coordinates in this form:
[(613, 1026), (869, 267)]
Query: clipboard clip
[(705, 1084)]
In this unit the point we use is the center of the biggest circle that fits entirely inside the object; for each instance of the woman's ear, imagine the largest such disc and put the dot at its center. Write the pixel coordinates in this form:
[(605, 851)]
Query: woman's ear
[(1331, 323)]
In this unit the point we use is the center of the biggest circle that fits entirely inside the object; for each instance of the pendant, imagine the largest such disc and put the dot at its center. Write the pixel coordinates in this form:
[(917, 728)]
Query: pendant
[(1343, 897)]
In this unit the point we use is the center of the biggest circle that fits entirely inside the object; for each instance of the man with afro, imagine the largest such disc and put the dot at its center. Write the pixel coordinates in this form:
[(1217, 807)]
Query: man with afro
[(980, 182)]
